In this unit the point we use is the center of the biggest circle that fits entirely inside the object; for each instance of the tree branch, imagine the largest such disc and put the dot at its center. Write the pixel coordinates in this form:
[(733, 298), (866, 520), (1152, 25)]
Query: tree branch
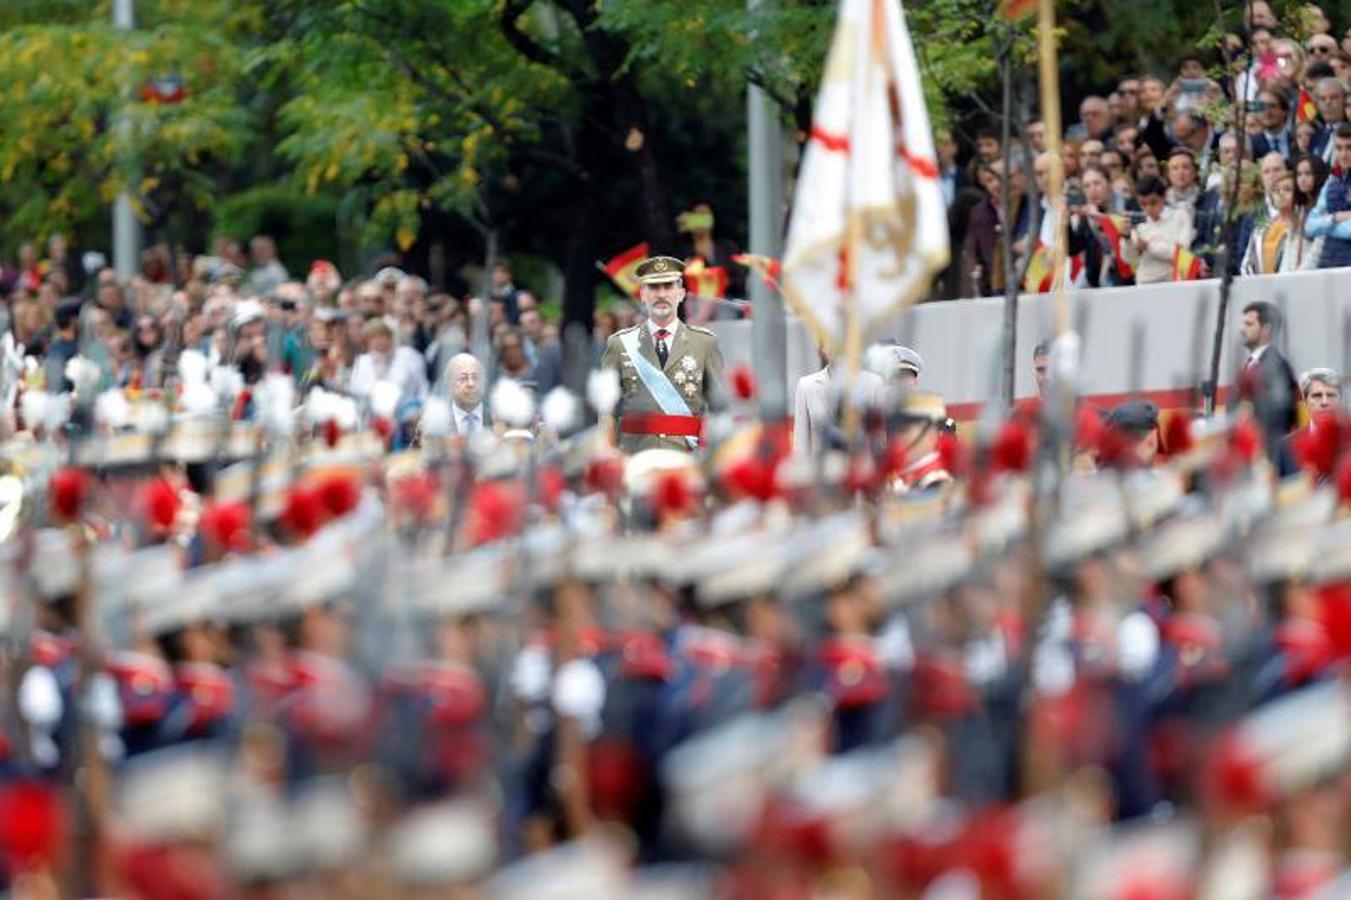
[(758, 79), (557, 160), (459, 90), (528, 47)]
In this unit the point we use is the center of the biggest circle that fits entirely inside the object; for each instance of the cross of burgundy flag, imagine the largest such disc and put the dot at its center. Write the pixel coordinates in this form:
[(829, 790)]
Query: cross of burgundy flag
[(869, 226)]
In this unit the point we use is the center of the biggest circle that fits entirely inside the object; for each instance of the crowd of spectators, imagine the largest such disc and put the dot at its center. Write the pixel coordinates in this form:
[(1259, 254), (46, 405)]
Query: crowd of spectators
[(1151, 167), (241, 308), (1152, 170)]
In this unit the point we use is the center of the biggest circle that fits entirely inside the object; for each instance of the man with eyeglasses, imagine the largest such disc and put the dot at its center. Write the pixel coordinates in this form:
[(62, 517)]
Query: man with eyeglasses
[(1272, 110), (1321, 46)]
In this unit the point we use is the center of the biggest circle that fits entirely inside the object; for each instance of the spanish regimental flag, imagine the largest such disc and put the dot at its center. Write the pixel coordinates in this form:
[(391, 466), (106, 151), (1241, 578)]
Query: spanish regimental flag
[(870, 227), (1186, 265), (623, 268)]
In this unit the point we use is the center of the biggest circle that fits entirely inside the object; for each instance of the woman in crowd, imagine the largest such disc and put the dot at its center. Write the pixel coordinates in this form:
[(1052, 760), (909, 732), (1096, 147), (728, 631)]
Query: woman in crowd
[(1304, 135), (1278, 245), (1146, 165), (146, 352), (1310, 173), (1093, 228)]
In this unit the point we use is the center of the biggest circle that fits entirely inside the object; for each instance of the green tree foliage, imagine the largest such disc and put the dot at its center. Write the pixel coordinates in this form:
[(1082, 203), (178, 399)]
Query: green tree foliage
[(74, 109), (568, 129)]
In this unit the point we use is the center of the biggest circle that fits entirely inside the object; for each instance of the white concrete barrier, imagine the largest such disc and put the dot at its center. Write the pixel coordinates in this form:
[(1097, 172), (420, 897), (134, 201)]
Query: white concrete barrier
[(1172, 325)]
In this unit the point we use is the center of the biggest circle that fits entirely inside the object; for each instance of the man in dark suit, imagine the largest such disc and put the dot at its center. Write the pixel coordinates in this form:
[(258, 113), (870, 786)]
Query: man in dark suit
[(1266, 379), (1272, 109), (469, 414)]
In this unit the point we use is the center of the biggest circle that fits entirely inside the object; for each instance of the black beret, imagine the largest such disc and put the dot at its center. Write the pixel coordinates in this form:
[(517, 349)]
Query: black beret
[(1135, 415)]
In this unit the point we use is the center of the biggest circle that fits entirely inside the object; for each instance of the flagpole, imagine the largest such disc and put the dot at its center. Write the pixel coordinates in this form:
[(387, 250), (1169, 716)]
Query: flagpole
[(1010, 340), (1041, 769), (853, 328), (1049, 71), (765, 173)]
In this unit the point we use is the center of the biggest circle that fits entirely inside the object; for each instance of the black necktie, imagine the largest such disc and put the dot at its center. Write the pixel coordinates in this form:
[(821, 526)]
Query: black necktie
[(661, 346)]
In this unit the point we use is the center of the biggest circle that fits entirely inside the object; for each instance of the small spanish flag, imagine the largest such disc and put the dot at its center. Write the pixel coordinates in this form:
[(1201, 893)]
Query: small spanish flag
[(623, 268), (1186, 265), (1307, 110), (1013, 10), (1114, 227), (704, 280), (768, 268), (1038, 280)]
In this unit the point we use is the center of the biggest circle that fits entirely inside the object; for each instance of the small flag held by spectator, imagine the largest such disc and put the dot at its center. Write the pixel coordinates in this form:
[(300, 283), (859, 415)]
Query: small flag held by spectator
[(1113, 227), (1038, 279), (1186, 265), (1307, 110), (768, 268), (704, 280), (622, 269)]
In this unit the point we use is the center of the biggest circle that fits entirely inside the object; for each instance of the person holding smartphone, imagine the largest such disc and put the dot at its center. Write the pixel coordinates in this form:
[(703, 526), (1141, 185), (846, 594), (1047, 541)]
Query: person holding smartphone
[(1155, 240)]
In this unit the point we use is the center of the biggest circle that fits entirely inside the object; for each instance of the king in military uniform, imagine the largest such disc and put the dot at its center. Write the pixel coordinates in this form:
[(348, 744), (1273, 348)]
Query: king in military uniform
[(670, 372)]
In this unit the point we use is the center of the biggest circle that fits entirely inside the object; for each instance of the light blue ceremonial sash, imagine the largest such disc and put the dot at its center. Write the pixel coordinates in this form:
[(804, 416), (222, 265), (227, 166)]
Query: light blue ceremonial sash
[(656, 382)]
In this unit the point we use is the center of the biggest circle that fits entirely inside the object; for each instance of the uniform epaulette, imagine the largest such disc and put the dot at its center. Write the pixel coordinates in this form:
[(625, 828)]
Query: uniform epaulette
[(626, 330), (701, 329)]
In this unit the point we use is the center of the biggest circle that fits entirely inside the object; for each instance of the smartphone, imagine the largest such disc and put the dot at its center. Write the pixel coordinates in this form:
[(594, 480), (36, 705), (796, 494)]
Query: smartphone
[(1193, 85), (1257, 106), (1075, 197)]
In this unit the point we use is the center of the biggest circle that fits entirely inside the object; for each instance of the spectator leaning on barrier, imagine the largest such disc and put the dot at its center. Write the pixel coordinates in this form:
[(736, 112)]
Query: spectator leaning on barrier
[(1330, 218), (1274, 247), (1155, 241), (1088, 234), (1310, 174)]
